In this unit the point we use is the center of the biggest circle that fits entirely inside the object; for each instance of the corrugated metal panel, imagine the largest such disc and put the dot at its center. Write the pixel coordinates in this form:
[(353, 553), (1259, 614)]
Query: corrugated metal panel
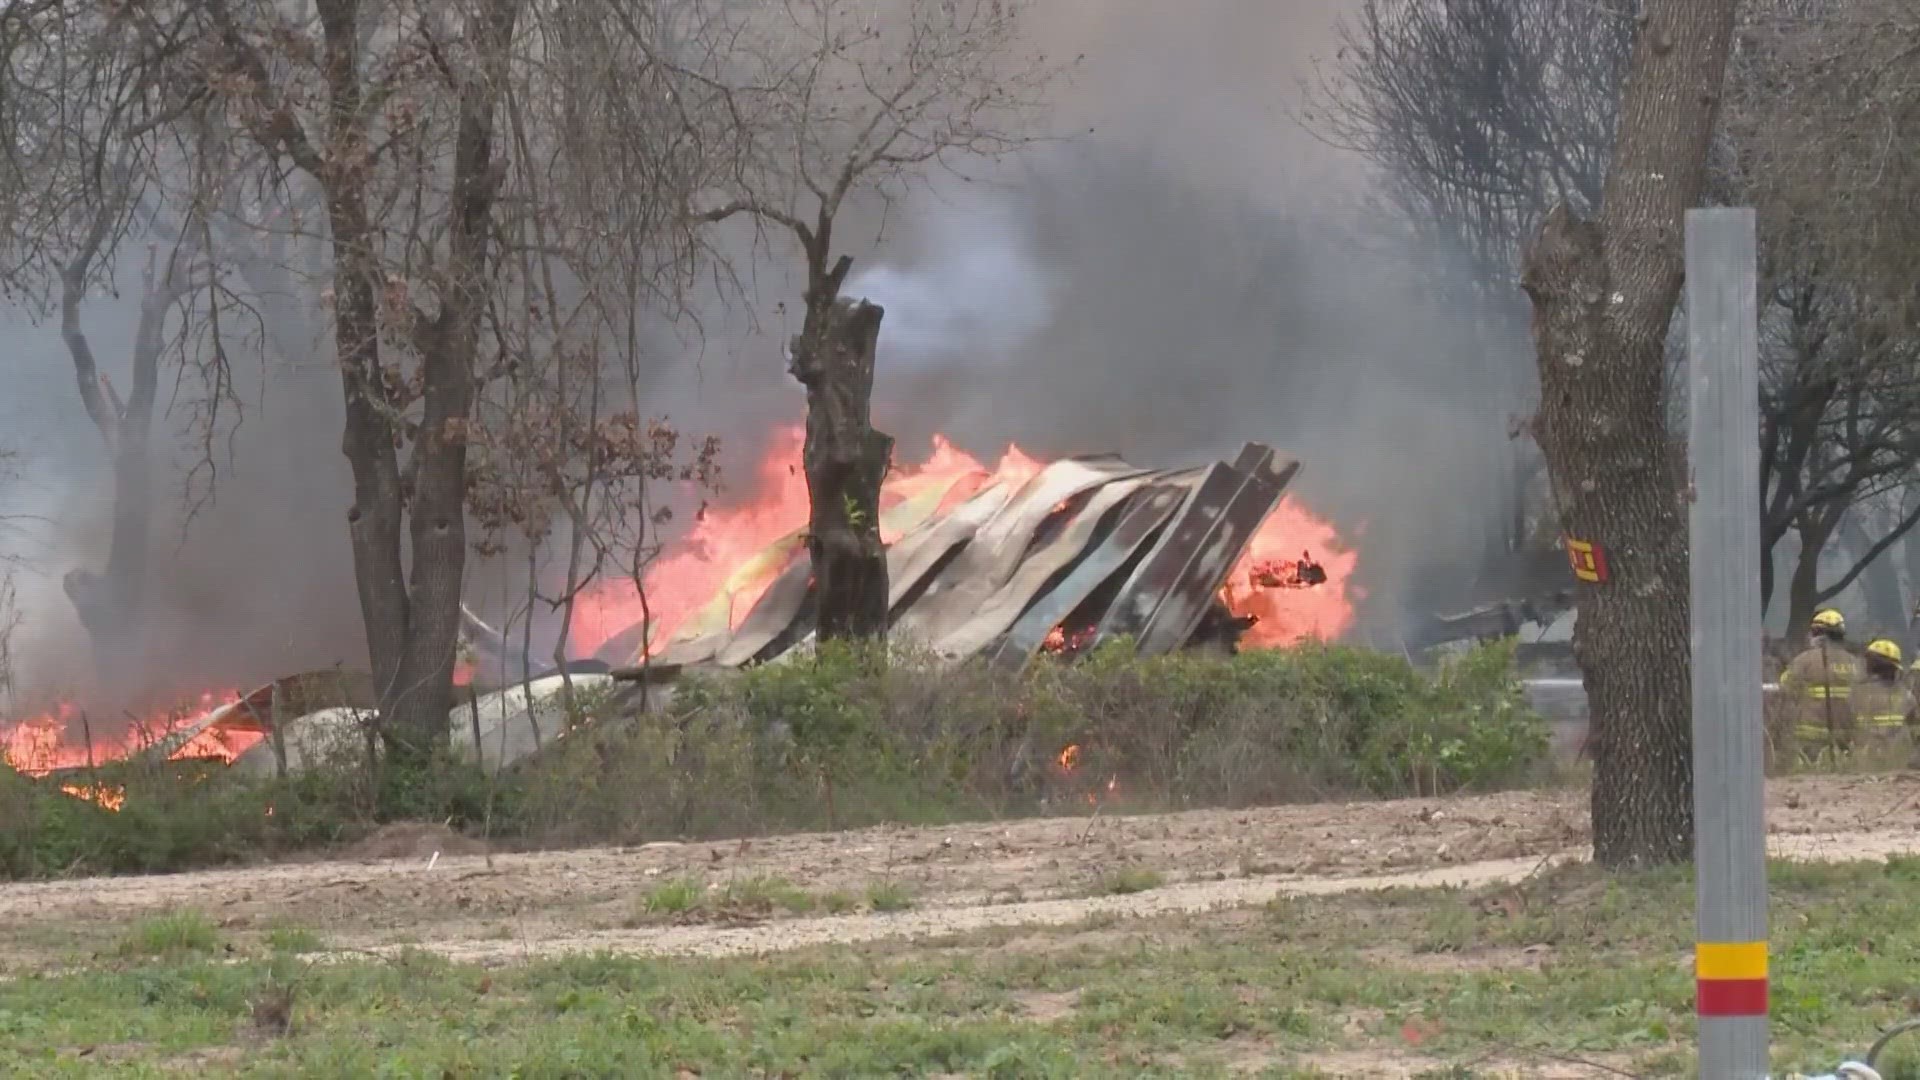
[(782, 603), (916, 554), (997, 548), (997, 612), (1206, 567), (1185, 543), (710, 633), (1150, 509)]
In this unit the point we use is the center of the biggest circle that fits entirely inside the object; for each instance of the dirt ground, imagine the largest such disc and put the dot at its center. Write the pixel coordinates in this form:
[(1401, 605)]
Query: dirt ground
[(421, 887)]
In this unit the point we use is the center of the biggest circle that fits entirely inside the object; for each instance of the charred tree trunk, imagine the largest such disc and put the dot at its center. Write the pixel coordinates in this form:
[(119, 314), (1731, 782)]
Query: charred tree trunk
[(846, 461), (1603, 294), (111, 603)]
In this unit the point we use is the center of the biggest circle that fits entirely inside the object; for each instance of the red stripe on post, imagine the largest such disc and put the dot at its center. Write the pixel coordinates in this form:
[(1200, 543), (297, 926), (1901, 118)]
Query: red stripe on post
[(1731, 997)]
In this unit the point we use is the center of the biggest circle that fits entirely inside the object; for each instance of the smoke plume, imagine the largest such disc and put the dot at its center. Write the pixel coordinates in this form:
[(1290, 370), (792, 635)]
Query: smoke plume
[(1185, 270)]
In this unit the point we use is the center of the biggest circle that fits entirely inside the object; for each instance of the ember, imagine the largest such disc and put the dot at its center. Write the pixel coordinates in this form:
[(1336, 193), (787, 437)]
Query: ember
[(1303, 573), (1069, 758), (1061, 643), (112, 798)]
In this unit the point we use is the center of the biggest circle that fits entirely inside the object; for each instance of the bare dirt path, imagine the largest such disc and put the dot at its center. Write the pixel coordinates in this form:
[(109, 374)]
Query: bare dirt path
[(1033, 872)]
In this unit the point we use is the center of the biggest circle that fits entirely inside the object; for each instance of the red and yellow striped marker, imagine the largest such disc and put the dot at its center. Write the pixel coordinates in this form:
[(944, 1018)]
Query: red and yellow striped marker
[(1730, 978)]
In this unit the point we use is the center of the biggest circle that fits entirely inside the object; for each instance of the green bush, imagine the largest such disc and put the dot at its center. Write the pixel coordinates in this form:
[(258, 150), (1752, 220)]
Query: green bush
[(850, 737)]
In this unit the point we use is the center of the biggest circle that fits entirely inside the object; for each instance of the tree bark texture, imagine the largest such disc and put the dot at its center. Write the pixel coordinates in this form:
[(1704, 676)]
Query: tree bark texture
[(846, 461), (412, 618), (1603, 294)]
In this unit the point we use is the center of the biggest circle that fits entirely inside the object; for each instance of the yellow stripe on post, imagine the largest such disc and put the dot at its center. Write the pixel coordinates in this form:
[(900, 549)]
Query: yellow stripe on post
[(1718, 960)]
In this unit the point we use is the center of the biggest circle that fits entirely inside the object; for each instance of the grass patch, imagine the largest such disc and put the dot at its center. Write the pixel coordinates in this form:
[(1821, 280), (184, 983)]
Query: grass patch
[(294, 941), (671, 899), (691, 900), (888, 896), (1126, 880), (763, 893), (172, 934), (1572, 966)]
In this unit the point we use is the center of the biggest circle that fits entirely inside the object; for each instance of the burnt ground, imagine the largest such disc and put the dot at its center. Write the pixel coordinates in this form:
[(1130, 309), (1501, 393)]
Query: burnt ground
[(777, 893)]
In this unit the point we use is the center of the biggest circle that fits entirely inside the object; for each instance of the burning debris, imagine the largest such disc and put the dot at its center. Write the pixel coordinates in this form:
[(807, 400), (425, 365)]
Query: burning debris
[(1301, 573), (1022, 560), (1002, 564)]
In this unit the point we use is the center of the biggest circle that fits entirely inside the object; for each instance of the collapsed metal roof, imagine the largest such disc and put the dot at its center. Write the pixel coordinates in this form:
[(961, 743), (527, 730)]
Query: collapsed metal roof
[(1089, 548)]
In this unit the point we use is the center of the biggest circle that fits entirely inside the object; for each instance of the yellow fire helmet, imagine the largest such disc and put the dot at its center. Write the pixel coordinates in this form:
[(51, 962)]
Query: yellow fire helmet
[(1886, 648), (1829, 619)]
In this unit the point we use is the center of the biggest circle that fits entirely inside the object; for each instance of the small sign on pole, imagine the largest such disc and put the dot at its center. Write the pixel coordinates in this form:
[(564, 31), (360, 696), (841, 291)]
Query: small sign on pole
[(1730, 842), (1588, 559)]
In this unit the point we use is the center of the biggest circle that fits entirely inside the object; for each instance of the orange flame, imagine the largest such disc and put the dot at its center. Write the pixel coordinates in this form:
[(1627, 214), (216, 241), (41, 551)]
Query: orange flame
[(1268, 584), (725, 540), (112, 798), (725, 549), (45, 743), (1069, 757)]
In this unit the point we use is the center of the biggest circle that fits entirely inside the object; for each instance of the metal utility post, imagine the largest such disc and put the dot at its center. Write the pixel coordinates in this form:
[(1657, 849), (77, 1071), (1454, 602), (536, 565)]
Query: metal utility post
[(1723, 364)]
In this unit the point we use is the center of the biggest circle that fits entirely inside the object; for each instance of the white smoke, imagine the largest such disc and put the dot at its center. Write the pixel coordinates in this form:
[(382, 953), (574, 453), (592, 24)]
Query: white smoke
[(975, 297)]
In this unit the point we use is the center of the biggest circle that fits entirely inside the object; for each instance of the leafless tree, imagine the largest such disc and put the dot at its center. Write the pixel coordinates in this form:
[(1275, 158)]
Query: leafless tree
[(1481, 114), (817, 103), (388, 113), (1824, 131), (91, 119)]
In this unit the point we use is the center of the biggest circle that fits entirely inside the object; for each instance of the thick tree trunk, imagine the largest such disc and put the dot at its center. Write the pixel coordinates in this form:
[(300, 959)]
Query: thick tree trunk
[(1803, 587), (846, 460), (1603, 297), (111, 604), (412, 620)]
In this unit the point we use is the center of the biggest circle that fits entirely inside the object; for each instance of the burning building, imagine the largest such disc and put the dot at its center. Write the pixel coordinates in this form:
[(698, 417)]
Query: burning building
[(998, 564), (1007, 563)]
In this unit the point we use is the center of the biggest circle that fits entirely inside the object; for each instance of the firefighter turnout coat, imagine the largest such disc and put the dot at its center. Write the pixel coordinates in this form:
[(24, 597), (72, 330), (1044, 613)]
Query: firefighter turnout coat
[(1819, 684), (1882, 709)]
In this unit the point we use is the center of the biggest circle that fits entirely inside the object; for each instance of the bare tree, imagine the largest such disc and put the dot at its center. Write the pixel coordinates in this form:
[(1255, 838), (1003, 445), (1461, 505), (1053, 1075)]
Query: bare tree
[(1479, 115), (1823, 131), (1482, 113), (389, 113), (90, 115), (820, 102)]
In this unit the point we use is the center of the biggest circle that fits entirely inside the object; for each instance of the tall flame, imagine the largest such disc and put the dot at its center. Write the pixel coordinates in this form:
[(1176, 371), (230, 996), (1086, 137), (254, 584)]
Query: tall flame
[(726, 554), (722, 554)]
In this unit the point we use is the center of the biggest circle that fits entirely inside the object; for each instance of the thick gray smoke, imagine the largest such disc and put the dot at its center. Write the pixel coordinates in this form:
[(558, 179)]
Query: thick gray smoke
[(253, 582), (1187, 271)]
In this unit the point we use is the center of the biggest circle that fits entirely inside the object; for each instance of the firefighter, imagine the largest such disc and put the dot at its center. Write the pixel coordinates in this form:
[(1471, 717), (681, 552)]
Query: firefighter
[(1882, 704), (1819, 683)]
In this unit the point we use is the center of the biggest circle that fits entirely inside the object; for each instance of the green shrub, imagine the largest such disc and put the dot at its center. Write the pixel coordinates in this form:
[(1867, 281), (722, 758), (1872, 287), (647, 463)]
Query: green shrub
[(850, 737)]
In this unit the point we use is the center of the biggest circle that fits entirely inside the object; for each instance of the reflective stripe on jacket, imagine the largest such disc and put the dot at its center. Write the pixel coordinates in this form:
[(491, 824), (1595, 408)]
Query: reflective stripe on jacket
[(1820, 681), (1882, 704)]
